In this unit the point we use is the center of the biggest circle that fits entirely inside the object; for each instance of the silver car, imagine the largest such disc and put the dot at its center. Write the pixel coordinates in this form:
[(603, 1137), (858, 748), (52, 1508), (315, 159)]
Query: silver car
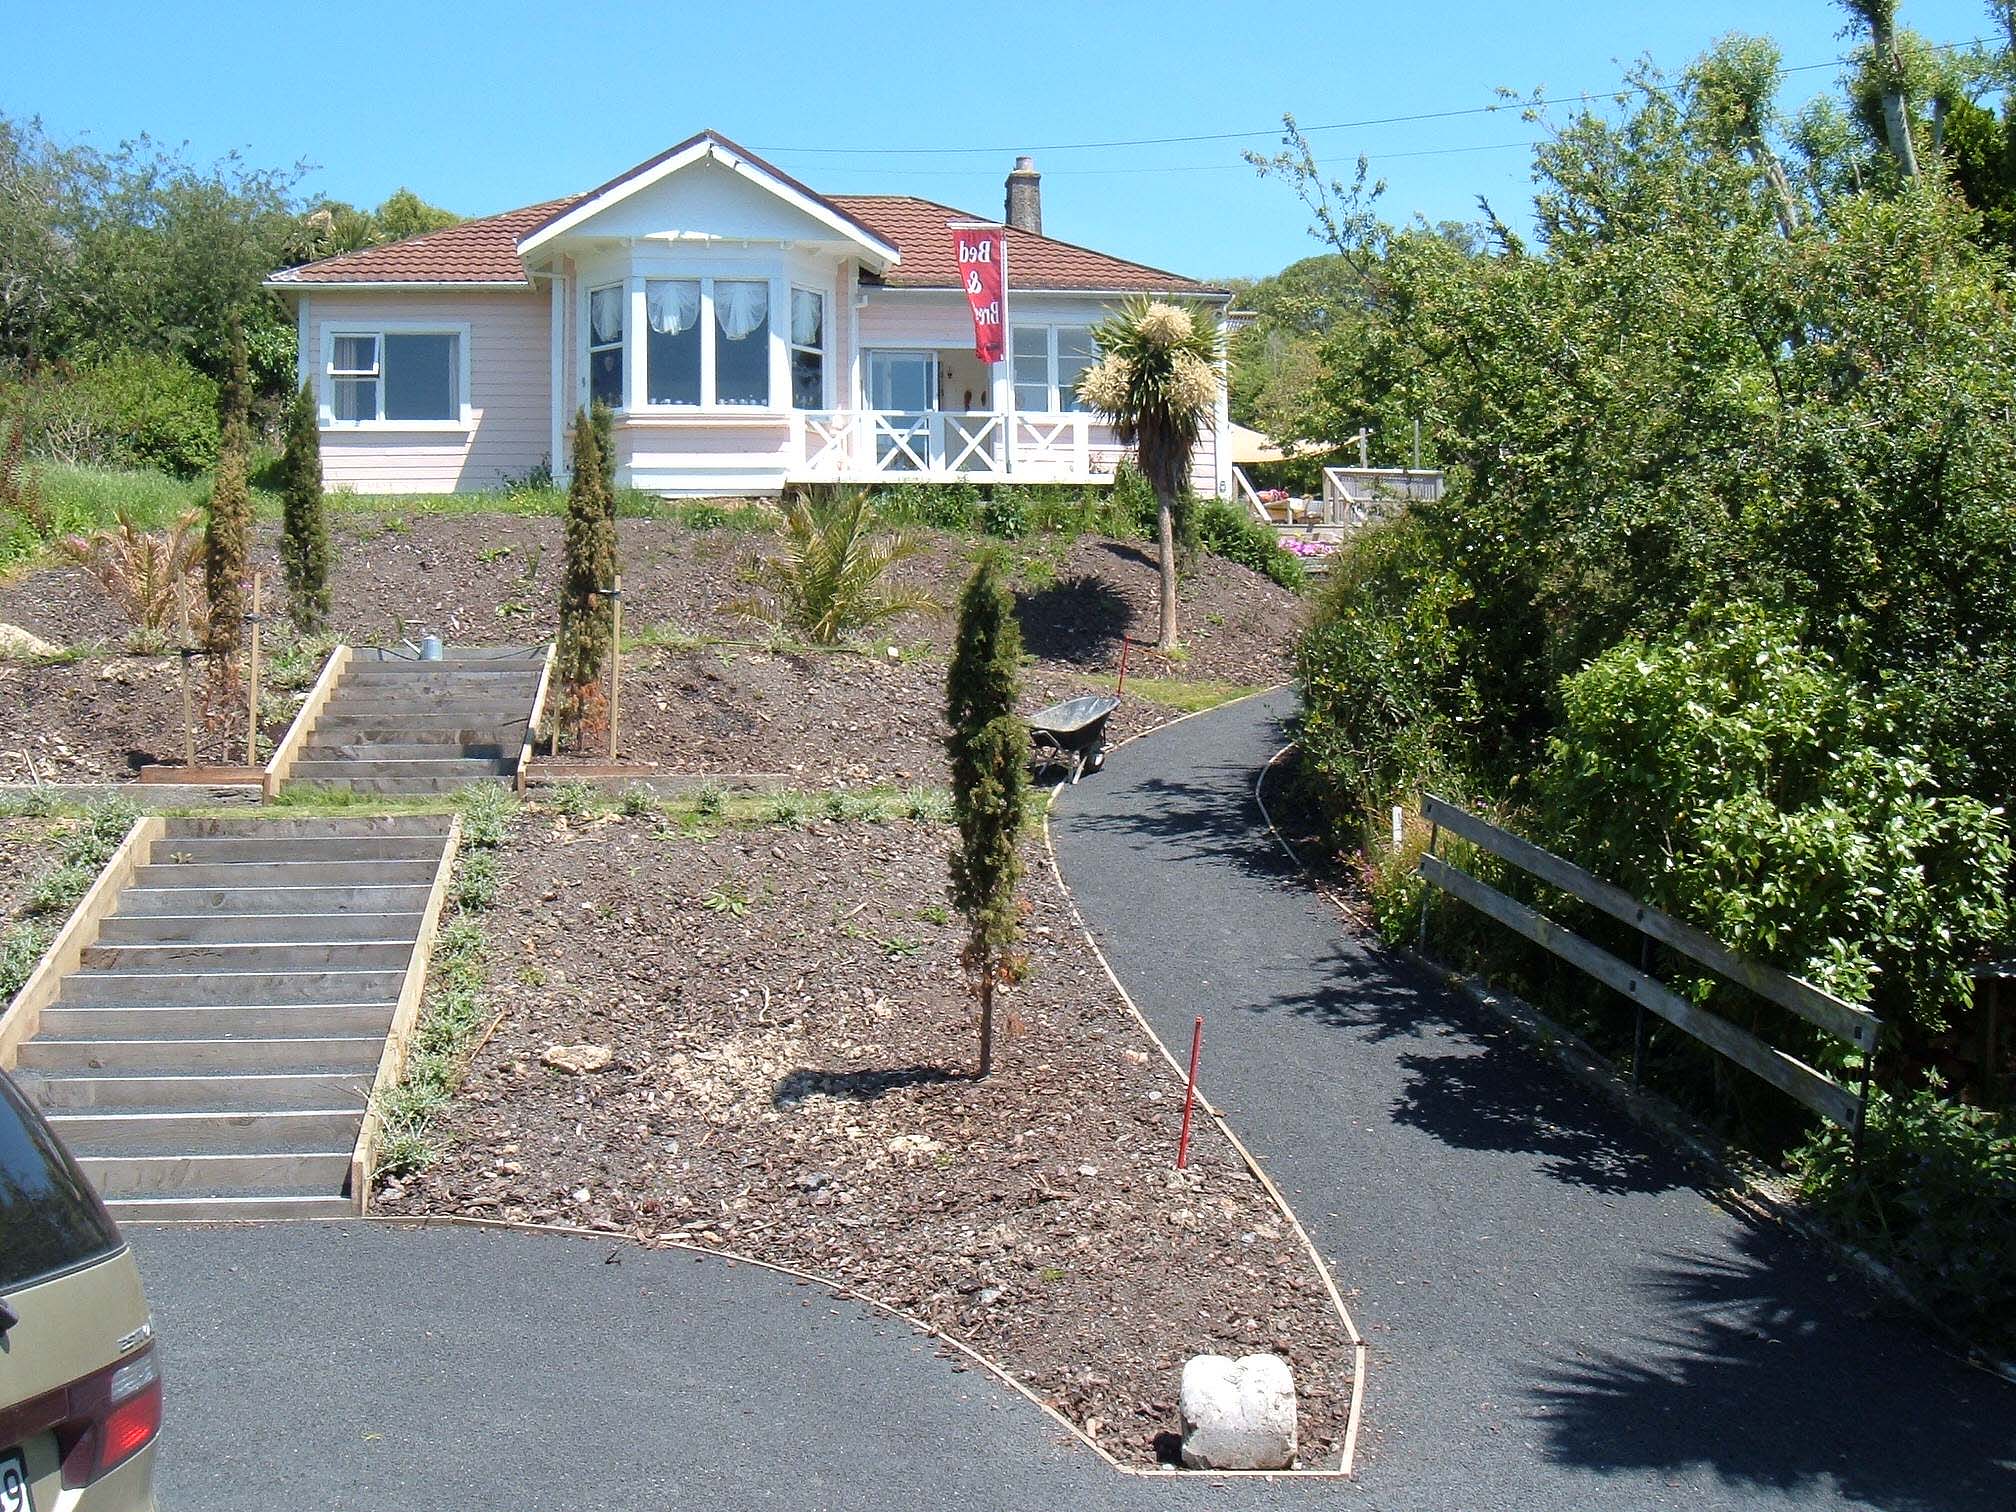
[(80, 1387)]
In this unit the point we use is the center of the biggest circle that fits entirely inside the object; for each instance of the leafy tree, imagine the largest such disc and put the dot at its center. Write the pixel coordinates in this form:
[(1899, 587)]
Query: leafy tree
[(988, 745), (1157, 383), (829, 576), (586, 613), (227, 537), (304, 528)]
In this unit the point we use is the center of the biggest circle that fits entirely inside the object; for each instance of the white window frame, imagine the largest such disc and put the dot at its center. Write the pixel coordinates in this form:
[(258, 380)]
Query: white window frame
[(380, 329), (824, 349), (621, 345), (1053, 393), (637, 367)]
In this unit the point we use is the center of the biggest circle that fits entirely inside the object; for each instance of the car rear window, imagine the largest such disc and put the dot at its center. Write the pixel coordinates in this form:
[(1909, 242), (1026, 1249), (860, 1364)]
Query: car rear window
[(50, 1218)]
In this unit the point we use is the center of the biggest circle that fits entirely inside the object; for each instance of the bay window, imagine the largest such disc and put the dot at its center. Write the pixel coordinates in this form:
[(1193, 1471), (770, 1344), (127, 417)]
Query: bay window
[(672, 347), (605, 345), (808, 349), (697, 327), (1047, 362), (741, 342), (394, 375)]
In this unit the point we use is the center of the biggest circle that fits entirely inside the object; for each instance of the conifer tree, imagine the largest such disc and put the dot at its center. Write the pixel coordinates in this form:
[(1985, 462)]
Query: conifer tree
[(586, 614), (989, 750), (605, 440), (304, 530), (227, 536)]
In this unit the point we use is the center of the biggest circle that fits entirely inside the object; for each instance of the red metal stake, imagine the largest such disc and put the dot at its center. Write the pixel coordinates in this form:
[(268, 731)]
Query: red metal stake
[(1121, 687), (1190, 1095)]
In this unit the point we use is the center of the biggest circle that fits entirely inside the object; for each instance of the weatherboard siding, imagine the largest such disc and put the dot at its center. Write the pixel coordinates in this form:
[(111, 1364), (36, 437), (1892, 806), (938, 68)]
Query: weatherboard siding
[(510, 404)]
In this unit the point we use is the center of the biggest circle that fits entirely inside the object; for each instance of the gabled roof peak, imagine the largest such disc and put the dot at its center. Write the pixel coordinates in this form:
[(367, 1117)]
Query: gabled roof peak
[(711, 145)]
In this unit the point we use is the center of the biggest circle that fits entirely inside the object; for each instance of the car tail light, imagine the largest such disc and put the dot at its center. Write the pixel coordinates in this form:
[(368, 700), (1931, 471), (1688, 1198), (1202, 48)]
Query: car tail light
[(115, 1413)]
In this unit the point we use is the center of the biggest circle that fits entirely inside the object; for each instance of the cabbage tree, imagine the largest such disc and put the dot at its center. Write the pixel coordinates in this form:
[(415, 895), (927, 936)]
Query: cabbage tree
[(1157, 382)]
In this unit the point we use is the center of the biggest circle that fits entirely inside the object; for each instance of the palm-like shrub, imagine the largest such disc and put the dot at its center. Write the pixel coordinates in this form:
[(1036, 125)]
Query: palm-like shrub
[(146, 573), (828, 577), (1157, 382)]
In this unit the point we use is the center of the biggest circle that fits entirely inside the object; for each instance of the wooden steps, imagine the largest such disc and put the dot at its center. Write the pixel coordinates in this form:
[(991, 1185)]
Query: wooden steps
[(212, 1050)]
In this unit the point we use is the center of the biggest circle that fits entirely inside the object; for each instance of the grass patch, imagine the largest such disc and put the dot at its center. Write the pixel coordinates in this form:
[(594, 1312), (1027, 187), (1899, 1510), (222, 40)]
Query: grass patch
[(99, 830), (1189, 695), (711, 808), (457, 1008)]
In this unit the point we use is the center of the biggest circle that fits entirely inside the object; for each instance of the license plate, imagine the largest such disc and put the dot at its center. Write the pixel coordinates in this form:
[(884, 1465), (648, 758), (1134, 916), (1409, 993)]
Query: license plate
[(14, 1493)]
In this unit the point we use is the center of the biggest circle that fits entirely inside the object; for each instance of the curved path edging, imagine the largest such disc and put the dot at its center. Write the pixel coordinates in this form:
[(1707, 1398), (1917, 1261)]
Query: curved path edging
[(1566, 1315), (1347, 1459)]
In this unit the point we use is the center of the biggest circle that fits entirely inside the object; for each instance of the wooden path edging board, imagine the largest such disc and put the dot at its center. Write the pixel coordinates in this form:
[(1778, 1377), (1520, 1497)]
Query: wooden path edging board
[(518, 778), (296, 738), (392, 1062), (23, 1016)]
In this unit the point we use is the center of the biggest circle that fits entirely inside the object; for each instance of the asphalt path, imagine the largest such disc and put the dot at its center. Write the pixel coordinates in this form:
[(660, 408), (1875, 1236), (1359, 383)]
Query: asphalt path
[(1560, 1313), (355, 1365)]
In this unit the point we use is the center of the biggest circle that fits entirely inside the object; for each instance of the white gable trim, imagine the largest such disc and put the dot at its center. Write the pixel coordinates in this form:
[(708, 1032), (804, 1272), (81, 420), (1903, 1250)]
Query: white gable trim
[(755, 173)]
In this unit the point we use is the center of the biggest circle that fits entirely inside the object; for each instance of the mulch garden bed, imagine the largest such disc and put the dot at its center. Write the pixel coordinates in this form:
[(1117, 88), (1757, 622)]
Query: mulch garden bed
[(831, 717), (790, 1038), (102, 718)]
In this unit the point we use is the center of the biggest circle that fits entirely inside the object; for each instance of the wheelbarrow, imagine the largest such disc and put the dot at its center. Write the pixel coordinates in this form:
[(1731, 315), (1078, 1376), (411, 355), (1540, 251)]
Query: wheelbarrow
[(1073, 733)]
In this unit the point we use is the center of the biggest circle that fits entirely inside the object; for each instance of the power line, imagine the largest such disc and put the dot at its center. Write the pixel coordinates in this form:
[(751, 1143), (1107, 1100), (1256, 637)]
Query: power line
[(989, 173), (1233, 136)]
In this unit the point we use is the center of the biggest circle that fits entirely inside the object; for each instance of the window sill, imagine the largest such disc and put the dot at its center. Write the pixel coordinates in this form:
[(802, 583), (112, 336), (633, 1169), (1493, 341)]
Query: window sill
[(688, 414), (393, 427)]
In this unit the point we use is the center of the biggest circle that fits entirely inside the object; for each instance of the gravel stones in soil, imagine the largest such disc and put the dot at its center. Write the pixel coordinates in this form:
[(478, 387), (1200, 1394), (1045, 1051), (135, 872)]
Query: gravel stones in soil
[(790, 1037)]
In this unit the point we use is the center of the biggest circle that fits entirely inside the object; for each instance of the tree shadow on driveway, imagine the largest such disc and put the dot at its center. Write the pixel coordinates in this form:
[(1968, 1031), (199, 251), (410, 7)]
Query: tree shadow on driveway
[(1785, 1387)]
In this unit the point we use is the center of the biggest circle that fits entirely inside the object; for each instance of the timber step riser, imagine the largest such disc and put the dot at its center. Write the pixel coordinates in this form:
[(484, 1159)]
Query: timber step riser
[(216, 1021), (278, 1132), (213, 849), (179, 958), (254, 902), (220, 928), (301, 1174), (109, 989), (194, 1057), (394, 787), (211, 1092), (242, 874)]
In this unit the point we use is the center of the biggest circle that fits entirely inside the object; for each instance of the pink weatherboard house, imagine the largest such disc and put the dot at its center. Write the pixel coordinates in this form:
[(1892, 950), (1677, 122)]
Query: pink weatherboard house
[(748, 332)]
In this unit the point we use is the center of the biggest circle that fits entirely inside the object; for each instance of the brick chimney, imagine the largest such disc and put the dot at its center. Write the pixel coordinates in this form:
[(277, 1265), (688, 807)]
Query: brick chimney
[(1025, 197)]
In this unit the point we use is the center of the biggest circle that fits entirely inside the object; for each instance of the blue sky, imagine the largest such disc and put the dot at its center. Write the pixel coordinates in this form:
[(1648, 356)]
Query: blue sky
[(485, 107)]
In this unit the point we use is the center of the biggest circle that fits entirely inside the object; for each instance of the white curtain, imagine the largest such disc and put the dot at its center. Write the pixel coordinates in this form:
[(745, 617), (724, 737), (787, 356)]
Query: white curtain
[(672, 305), (741, 308), (805, 318), (605, 316)]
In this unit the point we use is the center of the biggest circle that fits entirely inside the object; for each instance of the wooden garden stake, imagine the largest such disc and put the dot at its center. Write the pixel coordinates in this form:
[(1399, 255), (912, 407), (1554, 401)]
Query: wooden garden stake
[(1190, 1094), (615, 656), (252, 678), (188, 650)]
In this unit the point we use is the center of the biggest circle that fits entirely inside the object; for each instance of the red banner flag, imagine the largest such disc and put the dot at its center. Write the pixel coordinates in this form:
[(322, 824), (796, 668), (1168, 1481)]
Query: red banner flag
[(983, 271)]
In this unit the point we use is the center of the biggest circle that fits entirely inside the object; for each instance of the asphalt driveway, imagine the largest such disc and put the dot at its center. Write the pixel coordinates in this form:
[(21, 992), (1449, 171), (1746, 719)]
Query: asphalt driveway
[(363, 1365), (1560, 1315)]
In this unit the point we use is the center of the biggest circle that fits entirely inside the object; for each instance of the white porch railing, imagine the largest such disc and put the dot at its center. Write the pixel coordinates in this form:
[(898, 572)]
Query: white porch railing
[(873, 446)]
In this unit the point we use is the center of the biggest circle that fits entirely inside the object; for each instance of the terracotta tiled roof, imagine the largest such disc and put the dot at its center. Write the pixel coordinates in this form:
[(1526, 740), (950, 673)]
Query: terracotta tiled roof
[(473, 252), (486, 251), (917, 227)]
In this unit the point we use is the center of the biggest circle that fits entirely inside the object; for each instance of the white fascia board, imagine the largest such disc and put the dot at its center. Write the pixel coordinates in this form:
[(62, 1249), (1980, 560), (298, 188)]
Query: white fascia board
[(303, 285), (763, 179)]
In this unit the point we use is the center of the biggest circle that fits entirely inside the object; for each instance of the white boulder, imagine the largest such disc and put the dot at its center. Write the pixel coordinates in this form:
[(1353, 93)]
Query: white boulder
[(1238, 1414)]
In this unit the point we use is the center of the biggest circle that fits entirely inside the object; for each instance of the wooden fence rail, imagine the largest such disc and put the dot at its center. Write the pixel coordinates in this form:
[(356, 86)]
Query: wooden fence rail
[(1847, 1022)]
